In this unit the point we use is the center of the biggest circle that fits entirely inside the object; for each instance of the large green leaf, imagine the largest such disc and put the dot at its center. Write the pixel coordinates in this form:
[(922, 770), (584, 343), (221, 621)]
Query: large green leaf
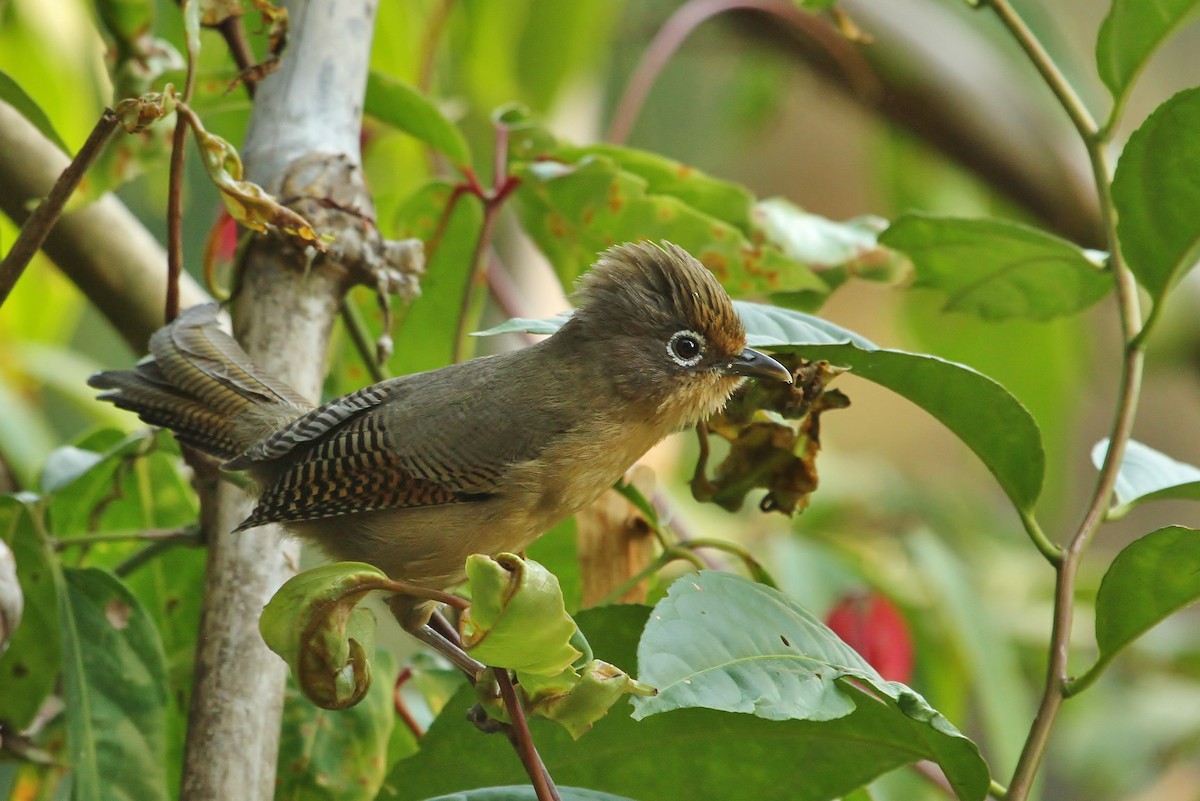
[(115, 689), (724, 200), (426, 334), (998, 269), (404, 107), (718, 641), (337, 755), (1157, 197), (12, 94), (979, 411), (1148, 475), (699, 754), (1130, 33), (1150, 579), (575, 210), (30, 667)]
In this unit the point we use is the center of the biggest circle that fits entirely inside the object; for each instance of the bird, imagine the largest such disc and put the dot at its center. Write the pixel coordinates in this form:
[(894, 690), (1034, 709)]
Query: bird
[(414, 474)]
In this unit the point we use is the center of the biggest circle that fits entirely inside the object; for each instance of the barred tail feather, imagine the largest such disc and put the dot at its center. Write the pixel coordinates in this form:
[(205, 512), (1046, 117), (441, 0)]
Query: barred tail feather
[(200, 384)]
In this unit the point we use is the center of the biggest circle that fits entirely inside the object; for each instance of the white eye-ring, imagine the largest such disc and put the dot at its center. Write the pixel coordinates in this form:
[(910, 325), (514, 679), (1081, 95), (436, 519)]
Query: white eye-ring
[(686, 348)]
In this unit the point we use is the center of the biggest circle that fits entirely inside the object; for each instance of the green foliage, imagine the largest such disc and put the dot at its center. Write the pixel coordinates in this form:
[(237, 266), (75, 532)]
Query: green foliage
[(756, 696), (1131, 33), (720, 642), (998, 269), (1156, 200), (114, 688), (337, 755)]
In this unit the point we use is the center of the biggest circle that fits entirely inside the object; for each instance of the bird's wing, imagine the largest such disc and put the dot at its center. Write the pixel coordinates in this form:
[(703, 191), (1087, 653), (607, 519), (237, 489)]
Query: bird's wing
[(423, 440)]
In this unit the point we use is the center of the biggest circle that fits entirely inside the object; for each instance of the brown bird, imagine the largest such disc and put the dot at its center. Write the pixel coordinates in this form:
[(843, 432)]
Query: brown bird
[(416, 473)]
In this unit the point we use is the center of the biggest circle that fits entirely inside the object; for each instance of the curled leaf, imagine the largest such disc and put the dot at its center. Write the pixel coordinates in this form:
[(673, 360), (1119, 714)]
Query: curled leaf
[(776, 451), (587, 697), (249, 203), (313, 623), (517, 618)]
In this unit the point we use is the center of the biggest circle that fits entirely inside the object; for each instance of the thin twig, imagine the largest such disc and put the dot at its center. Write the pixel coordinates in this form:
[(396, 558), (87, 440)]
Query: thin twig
[(175, 197), (1127, 400), (38, 226), (522, 741), (683, 23), (362, 342)]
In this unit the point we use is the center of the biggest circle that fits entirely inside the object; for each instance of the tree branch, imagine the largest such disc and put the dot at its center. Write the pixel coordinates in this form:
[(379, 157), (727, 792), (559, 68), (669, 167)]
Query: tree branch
[(101, 247)]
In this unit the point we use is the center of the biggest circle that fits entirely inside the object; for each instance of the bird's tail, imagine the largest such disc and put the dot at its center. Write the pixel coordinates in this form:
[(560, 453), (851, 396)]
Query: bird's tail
[(198, 382)]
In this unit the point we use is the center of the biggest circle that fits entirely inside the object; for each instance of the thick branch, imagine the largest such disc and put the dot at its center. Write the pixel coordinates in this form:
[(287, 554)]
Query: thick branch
[(306, 112), (101, 247)]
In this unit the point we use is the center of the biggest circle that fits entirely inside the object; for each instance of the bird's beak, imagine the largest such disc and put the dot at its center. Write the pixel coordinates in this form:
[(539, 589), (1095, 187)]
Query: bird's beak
[(753, 364)]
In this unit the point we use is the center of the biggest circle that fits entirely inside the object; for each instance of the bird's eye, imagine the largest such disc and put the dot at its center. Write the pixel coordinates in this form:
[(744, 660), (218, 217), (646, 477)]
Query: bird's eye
[(685, 348)]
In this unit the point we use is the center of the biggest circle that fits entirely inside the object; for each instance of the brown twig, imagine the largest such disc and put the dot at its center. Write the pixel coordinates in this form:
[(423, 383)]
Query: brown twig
[(38, 226), (503, 185), (1057, 678), (175, 197), (518, 734)]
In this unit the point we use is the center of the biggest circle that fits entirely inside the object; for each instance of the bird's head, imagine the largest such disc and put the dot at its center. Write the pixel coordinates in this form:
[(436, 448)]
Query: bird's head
[(665, 332)]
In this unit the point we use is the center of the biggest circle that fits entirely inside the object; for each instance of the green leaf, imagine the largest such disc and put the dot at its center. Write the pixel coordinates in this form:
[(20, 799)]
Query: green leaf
[(998, 269), (12, 94), (713, 756), (337, 755), (426, 334), (726, 201), (527, 793), (850, 247), (574, 211), (517, 618), (1153, 577), (402, 106), (1148, 475), (114, 688), (1156, 196), (718, 641), (66, 464), (1130, 33), (978, 410), (29, 669)]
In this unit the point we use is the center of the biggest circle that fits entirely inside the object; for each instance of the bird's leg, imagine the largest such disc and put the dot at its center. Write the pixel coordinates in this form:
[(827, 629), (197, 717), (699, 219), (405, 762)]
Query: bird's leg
[(451, 650), (413, 612)]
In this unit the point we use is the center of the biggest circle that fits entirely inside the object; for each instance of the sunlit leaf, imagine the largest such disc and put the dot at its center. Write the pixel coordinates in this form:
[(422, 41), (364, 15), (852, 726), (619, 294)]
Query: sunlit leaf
[(998, 269), (396, 103), (1148, 475), (574, 211), (517, 618), (426, 334), (1156, 196), (12, 94), (1131, 33), (851, 247)]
